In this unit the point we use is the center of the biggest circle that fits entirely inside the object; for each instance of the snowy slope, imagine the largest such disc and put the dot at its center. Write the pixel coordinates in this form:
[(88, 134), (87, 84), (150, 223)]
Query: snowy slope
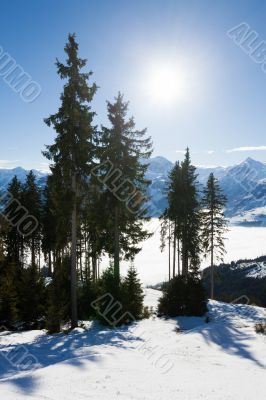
[(256, 269), (149, 360)]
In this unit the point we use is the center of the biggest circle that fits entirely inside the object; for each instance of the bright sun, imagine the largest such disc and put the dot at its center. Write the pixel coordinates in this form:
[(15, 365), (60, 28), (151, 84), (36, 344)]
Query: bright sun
[(166, 84)]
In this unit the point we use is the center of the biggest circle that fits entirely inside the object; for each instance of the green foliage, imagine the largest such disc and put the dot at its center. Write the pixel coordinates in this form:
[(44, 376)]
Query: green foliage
[(133, 294), (183, 296), (213, 219), (88, 292), (23, 295), (120, 304), (10, 275), (122, 172), (32, 295), (183, 215), (59, 296), (72, 153)]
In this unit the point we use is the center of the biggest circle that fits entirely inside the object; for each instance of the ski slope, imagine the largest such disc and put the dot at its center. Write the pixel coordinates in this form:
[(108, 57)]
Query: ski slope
[(155, 359)]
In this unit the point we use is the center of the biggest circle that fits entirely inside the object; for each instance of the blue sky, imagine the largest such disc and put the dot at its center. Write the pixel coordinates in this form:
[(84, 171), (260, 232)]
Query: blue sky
[(220, 108)]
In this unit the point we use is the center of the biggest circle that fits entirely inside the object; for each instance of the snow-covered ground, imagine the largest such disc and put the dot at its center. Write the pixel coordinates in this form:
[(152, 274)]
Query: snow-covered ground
[(149, 360), (152, 265)]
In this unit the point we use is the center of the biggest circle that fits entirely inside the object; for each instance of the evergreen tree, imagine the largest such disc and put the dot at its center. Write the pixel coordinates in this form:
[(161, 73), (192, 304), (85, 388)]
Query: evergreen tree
[(183, 296), (181, 219), (73, 151), (32, 300), (213, 223), (59, 295), (134, 294), (14, 243), (123, 173), (190, 218), (10, 275), (175, 210), (32, 202), (49, 223)]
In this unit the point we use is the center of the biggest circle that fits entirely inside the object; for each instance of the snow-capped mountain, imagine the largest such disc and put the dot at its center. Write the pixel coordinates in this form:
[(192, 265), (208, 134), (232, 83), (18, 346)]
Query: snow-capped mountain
[(250, 269), (6, 176), (244, 186)]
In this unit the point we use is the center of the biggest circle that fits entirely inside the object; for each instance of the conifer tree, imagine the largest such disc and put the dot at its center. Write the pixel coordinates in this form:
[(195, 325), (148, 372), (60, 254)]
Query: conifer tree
[(134, 294), (175, 202), (73, 151), (49, 223), (190, 218), (122, 150), (14, 243), (32, 202), (213, 223), (183, 214)]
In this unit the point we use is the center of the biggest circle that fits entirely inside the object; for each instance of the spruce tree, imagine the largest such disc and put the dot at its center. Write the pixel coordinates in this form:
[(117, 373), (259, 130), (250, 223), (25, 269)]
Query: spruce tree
[(123, 173), (174, 211), (48, 225), (182, 215), (14, 242), (32, 202), (190, 218), (72, 153), (213, 223), (134, 294)]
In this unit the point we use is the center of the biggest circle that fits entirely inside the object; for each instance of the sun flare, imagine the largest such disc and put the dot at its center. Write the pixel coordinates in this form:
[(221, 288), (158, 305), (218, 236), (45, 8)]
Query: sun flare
[(166, 84)]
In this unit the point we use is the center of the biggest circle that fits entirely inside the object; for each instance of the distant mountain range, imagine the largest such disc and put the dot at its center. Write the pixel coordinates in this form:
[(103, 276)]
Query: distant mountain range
[(244, 186)]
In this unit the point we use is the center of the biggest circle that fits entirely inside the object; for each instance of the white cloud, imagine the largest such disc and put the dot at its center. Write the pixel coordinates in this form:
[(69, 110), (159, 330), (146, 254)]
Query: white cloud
[(247, 148), (8, 163), (43, 167), (180, 151), (210, 151)]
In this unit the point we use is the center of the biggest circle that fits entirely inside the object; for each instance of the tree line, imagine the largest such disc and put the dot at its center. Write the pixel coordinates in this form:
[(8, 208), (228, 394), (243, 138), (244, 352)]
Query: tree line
[(192, 225), (94, 203)]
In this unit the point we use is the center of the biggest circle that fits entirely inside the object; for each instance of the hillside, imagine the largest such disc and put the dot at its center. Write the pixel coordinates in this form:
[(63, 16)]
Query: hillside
[(148, 360), (243, 278)]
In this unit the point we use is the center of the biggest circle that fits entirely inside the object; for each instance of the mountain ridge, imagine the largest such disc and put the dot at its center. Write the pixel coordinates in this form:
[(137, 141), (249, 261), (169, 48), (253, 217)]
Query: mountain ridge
[(244, 185)]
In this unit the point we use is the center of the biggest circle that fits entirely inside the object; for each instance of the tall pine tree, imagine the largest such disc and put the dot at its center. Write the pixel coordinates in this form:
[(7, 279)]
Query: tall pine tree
[(190, 218), (213, 223), (123, 174), (73, 151)]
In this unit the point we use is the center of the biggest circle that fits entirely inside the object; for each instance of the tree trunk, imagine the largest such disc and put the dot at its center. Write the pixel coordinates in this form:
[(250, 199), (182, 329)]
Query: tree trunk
[(116, 245), (169, 249), (73, 274), (49, 264), (184, 260), (212, 266), (32, 252), (174, 256), (178, 255), (174, 250), (99, 268), (94, 267)]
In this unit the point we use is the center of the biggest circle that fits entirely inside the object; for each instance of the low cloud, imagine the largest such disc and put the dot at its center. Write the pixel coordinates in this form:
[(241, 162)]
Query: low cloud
[(247, 148), (8, 163)]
